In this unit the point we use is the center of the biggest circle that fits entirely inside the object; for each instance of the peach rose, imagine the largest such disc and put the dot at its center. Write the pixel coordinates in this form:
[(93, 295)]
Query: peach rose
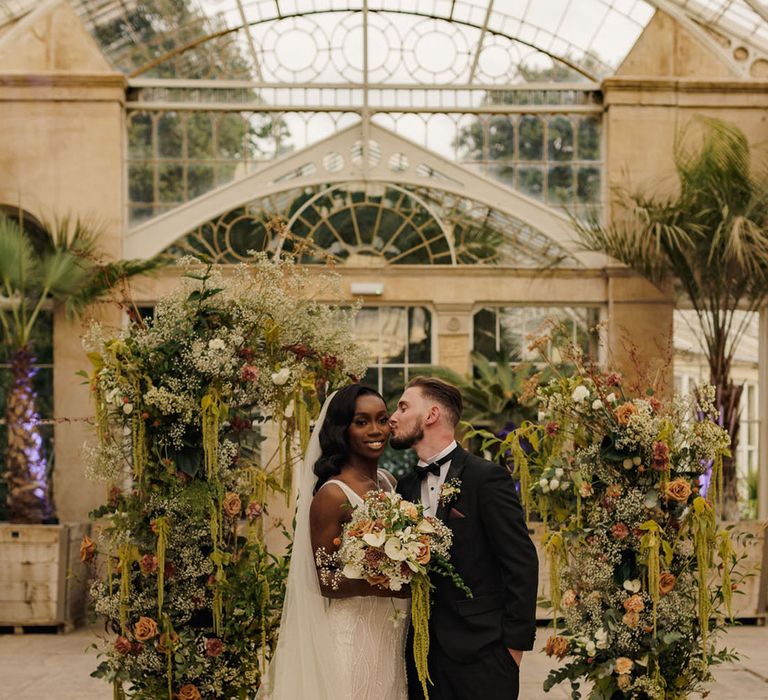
[(379, 580), (409, 510), (625, 412), (424, 555), (189, 692), (613, 491), (620, 531), (232, 504), (585, 490), (666, 582), (557, 646), (634, 604), (87, 549), (624, 681), (631, 619), (678, 490), (145, 629), (569, 598), (623, 665), (163, 645)]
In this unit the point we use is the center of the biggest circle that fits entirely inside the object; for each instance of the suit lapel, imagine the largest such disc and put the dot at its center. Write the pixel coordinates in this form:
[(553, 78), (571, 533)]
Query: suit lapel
[(458, 462)]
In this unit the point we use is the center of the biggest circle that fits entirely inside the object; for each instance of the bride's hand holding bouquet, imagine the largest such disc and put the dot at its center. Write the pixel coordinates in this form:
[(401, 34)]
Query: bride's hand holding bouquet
[(390, 543)]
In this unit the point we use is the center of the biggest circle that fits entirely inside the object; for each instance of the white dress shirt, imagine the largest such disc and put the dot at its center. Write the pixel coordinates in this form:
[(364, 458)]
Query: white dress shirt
[(430, 487)]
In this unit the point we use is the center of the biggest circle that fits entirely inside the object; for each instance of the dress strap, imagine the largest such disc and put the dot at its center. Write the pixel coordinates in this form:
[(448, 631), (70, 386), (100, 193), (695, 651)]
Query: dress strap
[(384, 482), (352, 497)]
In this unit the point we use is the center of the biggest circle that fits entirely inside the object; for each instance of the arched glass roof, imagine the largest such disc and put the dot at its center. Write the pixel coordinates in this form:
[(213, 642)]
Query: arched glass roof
[(409, 41)]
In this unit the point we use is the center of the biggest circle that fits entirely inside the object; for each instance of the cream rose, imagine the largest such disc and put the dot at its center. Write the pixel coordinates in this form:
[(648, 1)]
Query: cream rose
[(623, 665), (232, 504)]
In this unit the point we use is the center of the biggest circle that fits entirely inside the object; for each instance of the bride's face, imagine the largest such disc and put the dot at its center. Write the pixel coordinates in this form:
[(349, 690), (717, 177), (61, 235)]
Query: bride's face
[(369, 431)]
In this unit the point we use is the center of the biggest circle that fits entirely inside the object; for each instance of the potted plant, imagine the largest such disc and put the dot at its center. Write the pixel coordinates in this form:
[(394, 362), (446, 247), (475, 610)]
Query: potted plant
[(41, 268)]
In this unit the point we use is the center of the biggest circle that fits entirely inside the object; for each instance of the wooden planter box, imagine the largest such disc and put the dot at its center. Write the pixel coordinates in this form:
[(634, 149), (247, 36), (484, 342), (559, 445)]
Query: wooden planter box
[(42, 581), (748, 604)]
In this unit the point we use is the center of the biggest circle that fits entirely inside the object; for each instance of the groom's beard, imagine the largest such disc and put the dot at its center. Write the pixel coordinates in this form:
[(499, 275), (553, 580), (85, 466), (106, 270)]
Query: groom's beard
[(404, 442)]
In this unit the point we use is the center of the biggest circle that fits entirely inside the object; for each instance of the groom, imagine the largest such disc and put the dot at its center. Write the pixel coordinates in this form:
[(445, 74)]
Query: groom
[(476, 644)]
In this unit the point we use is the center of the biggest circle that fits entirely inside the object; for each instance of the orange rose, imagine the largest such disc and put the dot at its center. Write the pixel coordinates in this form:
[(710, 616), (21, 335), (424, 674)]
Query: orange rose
[(666, 582), (87, 549), (624, 681), (188, 692), (631, 619), (623, 665), (678, 490), (424, 555), (162, 643), (634, 604), (232, 504), (379, 580), (625, 412), (557, 646), (145, 629)]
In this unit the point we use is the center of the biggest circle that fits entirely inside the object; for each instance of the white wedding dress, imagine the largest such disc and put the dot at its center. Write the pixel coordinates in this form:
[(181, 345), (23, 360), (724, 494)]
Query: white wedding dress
[(340, 649), (369, 634)]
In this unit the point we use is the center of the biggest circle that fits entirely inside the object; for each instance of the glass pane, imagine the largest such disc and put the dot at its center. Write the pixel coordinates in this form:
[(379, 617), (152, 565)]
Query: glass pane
[(588, 185), (420, 340), (392, 384), (560, 184), (504, 173), (230, 136), (139, 135), (394, 332), (501, 138), (200, 179), (531, 180), (367, 331), (171, 183), (560, 139), (531, 137), (484, 332), (199, 136), (140, 187), (512, 331), (589, 138), (170, 136)]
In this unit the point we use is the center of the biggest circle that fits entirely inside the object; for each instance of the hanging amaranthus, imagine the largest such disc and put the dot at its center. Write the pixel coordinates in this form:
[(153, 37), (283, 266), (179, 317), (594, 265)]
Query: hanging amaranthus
[(703, 528), (138, 435), (217, 558), (556, 556), (161, 529), (125, 558), (650, 549), (420, 621), (522, 471), (213, 410), (715, 492)]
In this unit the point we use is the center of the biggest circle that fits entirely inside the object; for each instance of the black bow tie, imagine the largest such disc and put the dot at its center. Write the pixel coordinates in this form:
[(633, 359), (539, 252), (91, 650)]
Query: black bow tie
[(432, 467)]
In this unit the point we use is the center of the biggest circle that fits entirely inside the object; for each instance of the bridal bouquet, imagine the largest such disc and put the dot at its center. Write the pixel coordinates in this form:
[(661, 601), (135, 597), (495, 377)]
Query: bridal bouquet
[(389, 542)]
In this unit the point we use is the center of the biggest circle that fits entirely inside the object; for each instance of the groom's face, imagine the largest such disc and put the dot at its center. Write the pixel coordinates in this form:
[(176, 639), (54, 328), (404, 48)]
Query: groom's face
[(407, 422)]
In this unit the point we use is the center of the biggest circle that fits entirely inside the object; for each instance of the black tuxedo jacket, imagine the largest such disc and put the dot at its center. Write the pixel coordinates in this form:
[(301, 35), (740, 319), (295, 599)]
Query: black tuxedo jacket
[(493, 554)]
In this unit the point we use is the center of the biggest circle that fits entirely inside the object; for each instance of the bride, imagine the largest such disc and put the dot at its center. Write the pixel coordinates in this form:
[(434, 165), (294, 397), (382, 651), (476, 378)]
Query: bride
[(346, 643)]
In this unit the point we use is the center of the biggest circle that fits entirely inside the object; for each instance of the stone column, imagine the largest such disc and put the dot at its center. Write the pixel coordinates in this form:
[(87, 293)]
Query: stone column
[(454, 336), (762, 415)]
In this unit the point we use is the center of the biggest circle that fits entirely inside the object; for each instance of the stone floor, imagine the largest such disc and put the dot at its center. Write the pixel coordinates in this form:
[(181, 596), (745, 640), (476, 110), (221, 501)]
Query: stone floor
[(42, 667)]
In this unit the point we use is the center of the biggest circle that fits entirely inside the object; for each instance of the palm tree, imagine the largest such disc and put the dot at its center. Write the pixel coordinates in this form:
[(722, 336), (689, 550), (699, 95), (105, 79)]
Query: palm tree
[(709, 243), (53, 267)]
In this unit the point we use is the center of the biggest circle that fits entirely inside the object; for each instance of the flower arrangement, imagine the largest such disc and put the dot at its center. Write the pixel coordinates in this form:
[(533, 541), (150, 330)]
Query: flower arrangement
[(184, 579), (641, 575), (389, 542)]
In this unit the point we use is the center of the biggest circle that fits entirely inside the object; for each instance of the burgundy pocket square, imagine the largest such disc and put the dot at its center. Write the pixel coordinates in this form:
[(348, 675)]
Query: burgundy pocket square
[(453, 514)]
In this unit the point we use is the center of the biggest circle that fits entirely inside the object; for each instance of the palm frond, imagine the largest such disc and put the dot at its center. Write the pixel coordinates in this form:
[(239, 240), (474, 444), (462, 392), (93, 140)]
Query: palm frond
[(17, 263)]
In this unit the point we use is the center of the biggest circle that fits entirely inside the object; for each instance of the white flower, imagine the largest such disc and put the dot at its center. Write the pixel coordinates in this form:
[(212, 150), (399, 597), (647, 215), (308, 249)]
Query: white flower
[(580, 393), (632, 585), (425, 527), (564, 485), (351, 571), (554, 484), (542, 416), (597, 404), (216, 344), (601, 638), (397, 613), (127, 408), (281, 377), (375, 539), (611, 398), (543, 483), (558, 472), (591, 648), (288, 412), (394, 549)]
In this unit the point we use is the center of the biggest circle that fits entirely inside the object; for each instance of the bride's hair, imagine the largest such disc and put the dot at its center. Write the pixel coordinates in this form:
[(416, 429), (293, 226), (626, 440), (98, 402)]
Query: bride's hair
[(334, 441)]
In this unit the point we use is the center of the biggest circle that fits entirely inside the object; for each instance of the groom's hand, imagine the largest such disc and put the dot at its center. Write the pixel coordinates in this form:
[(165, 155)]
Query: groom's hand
[(517, 656)]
